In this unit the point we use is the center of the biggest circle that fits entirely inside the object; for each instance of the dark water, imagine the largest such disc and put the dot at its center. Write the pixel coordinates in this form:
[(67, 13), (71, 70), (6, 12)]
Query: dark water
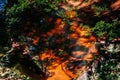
[(2, 6)]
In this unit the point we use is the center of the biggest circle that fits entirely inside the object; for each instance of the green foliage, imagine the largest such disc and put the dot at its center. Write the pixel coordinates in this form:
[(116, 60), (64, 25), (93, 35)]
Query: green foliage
[(4, 49), (61, 13), (17, 8), (103, 28), (61, 53), (102, 6), (12, 74), (114, 30), (100, 9), (47, 5), (13, 13), (107, 66), (108, 69)]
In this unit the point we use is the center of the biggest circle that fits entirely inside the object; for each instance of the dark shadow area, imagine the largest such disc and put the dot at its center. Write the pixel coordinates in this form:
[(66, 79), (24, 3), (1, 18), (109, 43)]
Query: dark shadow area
[(30, 68), (74, 51), (71, 65), (3, 33), (79, 48), (27, 64)]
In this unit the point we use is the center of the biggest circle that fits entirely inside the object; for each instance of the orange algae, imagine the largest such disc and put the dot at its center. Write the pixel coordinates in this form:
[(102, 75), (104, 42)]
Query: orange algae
[(57, 66)]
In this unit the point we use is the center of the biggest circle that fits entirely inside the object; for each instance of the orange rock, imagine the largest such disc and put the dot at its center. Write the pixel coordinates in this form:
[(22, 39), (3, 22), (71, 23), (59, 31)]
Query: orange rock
[(92, 38)]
